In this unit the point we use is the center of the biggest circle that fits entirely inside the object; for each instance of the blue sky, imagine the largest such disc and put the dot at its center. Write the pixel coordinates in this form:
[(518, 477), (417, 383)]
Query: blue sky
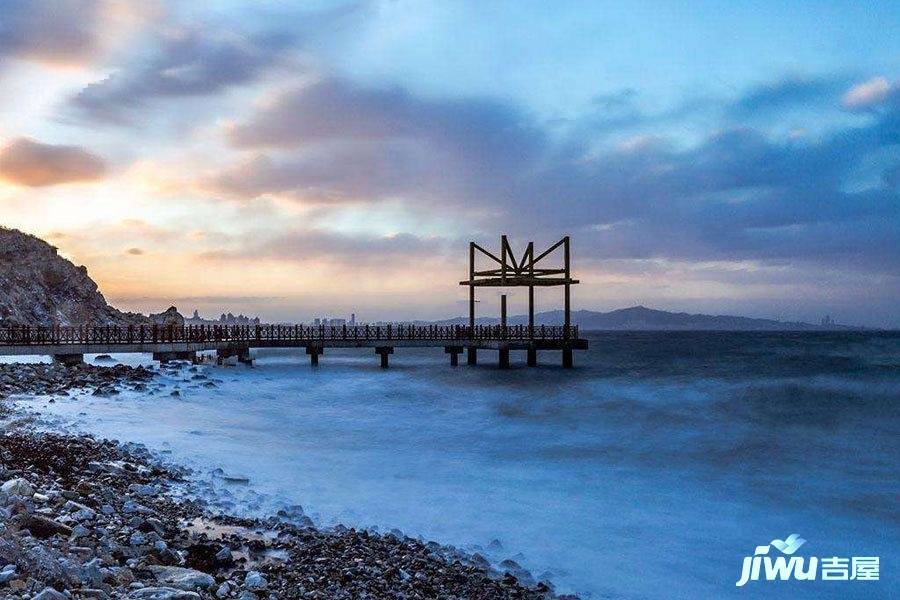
[(291, 159)]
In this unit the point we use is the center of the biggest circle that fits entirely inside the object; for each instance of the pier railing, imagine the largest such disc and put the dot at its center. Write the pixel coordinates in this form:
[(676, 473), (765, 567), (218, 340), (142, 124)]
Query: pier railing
[(152, 334)]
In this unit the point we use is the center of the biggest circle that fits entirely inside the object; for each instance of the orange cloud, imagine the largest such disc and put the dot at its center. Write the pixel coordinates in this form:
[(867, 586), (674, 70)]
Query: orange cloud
[(30, 163)]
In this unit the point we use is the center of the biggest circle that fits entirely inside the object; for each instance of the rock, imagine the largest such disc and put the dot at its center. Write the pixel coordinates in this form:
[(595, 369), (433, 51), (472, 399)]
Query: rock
[(170, 316), (255, 581), (49, 593), (18, 487), (183, 578), (223, 590), (42, 527), (162, 593), (143, 489), (38, 286)]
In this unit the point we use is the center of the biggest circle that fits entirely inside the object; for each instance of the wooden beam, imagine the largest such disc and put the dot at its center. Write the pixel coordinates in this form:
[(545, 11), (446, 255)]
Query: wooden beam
[(550, 249)]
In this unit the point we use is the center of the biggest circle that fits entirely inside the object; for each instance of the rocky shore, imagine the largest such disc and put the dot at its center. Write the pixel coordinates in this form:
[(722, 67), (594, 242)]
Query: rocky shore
[(88, 518)]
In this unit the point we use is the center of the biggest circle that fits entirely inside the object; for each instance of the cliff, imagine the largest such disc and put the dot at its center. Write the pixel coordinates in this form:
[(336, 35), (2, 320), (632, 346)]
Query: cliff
[(39, 287)]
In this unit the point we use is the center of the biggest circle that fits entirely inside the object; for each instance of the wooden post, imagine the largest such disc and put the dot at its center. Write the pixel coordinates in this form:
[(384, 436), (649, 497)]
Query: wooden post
[(472, 288), (314, 352), (383, 352), (504, 358), (532, 357), (454, 352), (503, 316), (568, 307), (471, 355), (567, 357)]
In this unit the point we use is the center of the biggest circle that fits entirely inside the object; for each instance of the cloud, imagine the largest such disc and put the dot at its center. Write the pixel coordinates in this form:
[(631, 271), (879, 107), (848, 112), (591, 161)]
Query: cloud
[(867, 95), (317, 244), (30, 163), (737, 194), (183, 63), (61, 31), (65, 32), (790, 92), (350, 141)]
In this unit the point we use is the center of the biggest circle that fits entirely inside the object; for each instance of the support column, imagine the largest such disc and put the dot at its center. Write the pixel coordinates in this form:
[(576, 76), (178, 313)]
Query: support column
[(245, 358), (472, 288), (568, 307), (68, 360), (567, 358), (503, 316), (504, 358), (471, 356), (454, 352), (530, 253), (530, 311), (383, 352), (314, 352), (532, 357)]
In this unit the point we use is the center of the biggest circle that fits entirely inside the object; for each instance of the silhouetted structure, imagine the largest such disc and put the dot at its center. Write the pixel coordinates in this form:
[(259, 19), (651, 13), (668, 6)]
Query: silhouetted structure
[(524, 272), (170, 341)]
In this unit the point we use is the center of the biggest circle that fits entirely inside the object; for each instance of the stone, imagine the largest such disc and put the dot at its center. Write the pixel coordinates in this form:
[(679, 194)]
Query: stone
[(163, 593), (183, 578), (255, 581), (223, 590), (18, 487), (49, 593), (42, 527)]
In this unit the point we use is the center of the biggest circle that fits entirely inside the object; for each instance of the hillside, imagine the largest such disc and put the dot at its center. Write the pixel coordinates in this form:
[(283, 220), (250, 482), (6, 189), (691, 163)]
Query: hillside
[(39, 287), (640, 318)]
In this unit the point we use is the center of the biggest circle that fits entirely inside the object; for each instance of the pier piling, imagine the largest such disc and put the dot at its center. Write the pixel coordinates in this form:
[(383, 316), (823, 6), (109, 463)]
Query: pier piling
[(454, 352), (504, 358), (314, 352), (383, 352)]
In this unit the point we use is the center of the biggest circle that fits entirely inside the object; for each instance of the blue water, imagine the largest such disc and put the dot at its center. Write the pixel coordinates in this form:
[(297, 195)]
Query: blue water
[(650, 470)]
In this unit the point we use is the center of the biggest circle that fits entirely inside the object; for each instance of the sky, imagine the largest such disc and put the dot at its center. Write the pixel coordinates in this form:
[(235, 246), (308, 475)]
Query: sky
[(301, 159)]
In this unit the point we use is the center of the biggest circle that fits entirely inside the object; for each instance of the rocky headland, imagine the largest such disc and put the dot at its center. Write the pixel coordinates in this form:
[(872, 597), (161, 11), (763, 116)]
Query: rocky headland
[(40, 287), (87, 518)]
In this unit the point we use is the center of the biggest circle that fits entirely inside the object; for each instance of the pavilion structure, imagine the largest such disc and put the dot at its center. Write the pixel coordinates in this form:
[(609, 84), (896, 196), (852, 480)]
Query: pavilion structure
[(529, 271)]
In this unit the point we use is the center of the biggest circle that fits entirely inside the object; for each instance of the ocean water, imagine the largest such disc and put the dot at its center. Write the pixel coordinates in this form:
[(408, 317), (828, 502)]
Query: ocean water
[(649, 471)]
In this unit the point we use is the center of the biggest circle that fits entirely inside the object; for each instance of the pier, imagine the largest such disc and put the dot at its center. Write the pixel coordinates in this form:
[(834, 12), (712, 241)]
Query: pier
[(68, 345)]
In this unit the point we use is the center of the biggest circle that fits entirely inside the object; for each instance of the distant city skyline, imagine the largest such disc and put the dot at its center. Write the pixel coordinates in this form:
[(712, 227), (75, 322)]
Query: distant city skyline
[(336, 157)]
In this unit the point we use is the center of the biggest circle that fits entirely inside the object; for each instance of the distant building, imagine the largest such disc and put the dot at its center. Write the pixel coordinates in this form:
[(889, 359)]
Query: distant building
[(352, 318), (827, 321)]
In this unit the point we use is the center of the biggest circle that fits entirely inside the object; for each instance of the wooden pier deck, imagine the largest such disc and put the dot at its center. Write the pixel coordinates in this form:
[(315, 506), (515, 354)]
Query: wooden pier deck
[(69, 344)]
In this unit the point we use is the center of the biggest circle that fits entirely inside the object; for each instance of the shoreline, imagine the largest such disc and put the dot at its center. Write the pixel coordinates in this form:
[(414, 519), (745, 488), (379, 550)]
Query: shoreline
[(89, 518)]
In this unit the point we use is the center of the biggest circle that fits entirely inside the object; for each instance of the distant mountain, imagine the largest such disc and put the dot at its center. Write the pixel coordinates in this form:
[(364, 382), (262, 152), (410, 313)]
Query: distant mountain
[(640, 318), (39, 287)]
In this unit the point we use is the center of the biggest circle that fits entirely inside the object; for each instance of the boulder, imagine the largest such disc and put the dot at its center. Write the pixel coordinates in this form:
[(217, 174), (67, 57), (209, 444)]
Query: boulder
[(18, 487), (170, 316), (50, 594), (183, 578), (163, 593)]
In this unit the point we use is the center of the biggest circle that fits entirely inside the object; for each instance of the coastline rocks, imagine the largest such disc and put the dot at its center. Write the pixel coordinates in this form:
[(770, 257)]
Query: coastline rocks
[(89, 518), (44, 378)]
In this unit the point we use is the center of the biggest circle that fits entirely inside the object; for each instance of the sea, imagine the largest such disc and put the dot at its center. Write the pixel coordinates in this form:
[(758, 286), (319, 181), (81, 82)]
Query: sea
[(651, 470)]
